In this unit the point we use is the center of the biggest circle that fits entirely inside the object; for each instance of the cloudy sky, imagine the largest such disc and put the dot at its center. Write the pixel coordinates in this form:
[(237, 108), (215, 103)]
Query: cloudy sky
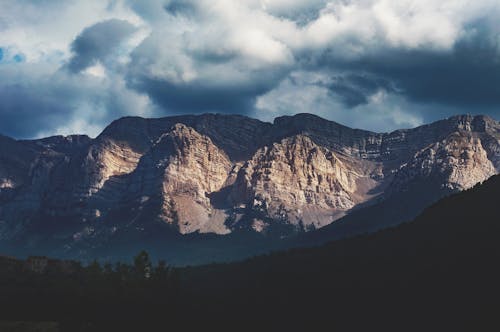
[(72, 66)]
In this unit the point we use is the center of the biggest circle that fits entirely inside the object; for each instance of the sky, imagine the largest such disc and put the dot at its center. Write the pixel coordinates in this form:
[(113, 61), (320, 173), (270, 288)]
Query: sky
[(73, 66)]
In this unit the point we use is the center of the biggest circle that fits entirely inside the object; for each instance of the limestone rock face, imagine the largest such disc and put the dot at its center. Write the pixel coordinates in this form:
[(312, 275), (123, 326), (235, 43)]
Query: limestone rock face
[(216, 173), (458, 162), (102, 162), (188, 168), (298, 181)]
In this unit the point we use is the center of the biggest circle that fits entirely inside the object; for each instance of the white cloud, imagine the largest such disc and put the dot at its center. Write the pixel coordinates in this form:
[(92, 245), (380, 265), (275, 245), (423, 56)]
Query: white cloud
[(96, 70), (384, 112), (270, 54), (44, 30)]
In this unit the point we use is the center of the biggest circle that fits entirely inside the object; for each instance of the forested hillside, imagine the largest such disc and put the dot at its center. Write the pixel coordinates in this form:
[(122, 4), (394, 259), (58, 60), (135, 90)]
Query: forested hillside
[(438, 272)]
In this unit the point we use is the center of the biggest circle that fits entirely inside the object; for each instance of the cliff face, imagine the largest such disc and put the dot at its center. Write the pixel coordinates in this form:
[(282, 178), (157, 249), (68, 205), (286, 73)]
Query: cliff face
[(218, 173), (458, 162), (187, 168), (299, 182), (15, 161)]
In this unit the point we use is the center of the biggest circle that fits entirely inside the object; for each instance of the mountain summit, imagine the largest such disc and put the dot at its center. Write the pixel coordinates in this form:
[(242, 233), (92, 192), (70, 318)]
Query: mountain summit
[(223, 174)]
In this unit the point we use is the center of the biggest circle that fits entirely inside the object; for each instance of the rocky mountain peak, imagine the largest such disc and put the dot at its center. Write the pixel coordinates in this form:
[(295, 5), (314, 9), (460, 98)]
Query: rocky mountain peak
[(62, 144), (178, 138), (216, 173), (300, 182), (188, 167), (183, 129), (468, 122), (458, 162)]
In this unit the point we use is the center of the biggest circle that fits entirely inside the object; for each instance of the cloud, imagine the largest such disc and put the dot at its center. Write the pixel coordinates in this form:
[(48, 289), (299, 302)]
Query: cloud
[(40, 100), (44, 30), (381, 111), (37, 96), (377, 64), (214, 62), (225, 56), (467, 75), (300, 12), (354, 89), (97, 42), (179, 7)]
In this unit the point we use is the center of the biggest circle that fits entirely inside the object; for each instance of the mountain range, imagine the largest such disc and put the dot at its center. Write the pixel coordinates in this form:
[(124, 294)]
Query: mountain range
[(437, 272), (216, 187)]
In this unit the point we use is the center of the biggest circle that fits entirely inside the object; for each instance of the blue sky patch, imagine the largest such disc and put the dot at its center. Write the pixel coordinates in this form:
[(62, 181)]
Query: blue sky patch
[(19, 58)]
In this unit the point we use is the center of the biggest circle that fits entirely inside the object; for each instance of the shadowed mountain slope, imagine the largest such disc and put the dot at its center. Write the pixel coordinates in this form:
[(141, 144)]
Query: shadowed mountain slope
[(152, 182)]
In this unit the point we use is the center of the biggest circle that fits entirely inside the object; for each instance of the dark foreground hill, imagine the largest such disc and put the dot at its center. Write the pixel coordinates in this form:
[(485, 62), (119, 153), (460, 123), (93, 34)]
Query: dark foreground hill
[(437, 273)]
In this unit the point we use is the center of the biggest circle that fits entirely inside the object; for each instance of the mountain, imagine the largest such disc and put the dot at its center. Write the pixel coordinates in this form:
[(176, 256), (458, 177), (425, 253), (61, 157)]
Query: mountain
[(438, 272), (182, 182)]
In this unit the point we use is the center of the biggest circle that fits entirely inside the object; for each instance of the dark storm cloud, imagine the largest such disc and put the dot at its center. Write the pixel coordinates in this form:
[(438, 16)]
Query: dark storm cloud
[(212, 57), (39, 99), (24, 113), (344, 60), (198, 97), (34, 101), (356, 89), (460, 77), (300, 12), (189, 72), (467, 76), (97, 42), (180, 7)]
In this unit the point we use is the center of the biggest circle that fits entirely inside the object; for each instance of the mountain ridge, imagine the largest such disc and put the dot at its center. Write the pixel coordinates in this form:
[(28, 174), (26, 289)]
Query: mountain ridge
[(221, 174)]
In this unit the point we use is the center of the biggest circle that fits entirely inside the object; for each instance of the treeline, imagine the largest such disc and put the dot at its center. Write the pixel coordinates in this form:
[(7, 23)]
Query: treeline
[(437, 273), (92, 297)]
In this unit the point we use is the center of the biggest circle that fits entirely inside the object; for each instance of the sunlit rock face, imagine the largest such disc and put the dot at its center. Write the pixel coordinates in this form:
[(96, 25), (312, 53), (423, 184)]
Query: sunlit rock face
[(183, 168), (458, 162), (303, 183), (221, 173)]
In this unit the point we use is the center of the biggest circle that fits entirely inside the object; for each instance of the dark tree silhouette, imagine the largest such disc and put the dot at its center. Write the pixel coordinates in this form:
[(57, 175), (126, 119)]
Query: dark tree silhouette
[(142, 265)]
